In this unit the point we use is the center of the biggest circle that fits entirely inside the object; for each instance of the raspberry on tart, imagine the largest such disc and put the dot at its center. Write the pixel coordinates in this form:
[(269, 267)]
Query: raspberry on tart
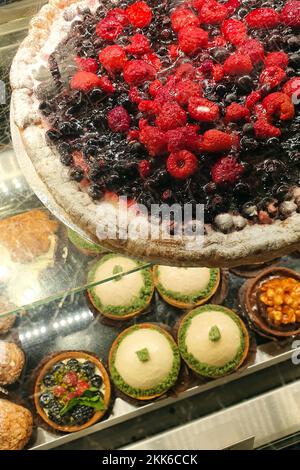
[(196, 103)]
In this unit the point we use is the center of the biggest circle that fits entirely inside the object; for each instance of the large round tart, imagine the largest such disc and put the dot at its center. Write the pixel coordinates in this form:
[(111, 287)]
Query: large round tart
[(72, 391), (213, 340), (126, 295), (186, 287), (165, 103), (144, 361)]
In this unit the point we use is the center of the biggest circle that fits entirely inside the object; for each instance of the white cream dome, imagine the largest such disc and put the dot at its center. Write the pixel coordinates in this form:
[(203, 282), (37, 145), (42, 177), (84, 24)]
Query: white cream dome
[(187, 281), (214, 353), (140, 374), (122, 291)]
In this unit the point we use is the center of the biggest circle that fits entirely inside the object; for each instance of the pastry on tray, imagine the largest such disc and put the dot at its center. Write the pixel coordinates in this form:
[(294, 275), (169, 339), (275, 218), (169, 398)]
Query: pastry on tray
[(213, 340), (28, 246), (84, 245), (12, 361), (144, 361), (28, 235), (186, 287), (7, 320), (15, 425), (126, 295), (272, 302), (72, 391), (166, 102)]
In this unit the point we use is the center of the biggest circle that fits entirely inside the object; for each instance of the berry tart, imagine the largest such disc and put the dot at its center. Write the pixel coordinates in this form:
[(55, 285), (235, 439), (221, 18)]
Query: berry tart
[(72, 391), (194, 103), (213, 340), (126, 295), (144, 361), (186, 287)]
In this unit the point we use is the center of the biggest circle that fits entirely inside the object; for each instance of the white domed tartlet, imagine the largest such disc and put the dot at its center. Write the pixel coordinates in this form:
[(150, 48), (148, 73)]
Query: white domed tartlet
[(144, 361), (125, 295), (213, 340), (186, 287)]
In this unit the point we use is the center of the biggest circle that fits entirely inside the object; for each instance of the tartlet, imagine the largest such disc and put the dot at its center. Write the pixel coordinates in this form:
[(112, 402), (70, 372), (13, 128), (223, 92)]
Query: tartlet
[(144, 361), (126, 295), (186, 287), (272, 302), (16, 425), (213, 340), (84, 245), (72, 391)]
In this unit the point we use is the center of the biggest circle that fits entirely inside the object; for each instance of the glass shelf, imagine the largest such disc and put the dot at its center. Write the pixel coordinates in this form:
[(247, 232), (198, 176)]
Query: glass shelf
[(31, 276)]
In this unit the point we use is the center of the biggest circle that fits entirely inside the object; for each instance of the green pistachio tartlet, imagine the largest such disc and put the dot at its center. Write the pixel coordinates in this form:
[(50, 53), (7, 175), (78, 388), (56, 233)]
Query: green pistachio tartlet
[(213, 340), (124, 295), (186, 287), (83, 245), (144, 361)]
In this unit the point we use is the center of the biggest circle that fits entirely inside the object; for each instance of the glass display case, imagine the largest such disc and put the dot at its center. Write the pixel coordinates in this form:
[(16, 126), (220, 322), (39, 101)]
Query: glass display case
[(47, 308)]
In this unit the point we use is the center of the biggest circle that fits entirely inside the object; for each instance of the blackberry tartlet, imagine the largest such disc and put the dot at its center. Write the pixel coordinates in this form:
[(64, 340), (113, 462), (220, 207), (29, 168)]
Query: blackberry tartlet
[(72, 391), (186, 287), (195, 103), (144, 361), (126, 295), (213, 340)]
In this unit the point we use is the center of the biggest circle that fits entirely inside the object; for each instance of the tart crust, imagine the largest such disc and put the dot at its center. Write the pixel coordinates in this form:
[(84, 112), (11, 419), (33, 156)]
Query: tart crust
[(254, 243), (67, 355)]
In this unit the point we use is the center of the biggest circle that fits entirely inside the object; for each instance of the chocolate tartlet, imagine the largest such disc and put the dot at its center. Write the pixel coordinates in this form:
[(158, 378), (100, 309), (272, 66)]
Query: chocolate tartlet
[(72, 391), (213, 340), (272, 302), (144, 361)]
